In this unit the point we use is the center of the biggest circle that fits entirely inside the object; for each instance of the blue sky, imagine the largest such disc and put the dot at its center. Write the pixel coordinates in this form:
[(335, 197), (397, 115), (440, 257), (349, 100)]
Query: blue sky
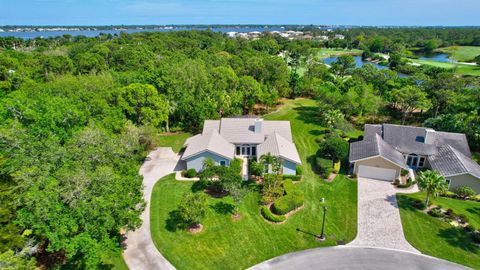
[(352, 12)]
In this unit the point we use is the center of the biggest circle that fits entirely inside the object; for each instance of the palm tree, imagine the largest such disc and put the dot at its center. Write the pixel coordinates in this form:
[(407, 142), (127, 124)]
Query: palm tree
[(432, 183)]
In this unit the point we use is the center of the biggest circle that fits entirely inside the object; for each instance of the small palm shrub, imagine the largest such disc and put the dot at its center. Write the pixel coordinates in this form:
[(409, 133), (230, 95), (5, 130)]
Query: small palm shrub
[(465, 192), (436, 212)]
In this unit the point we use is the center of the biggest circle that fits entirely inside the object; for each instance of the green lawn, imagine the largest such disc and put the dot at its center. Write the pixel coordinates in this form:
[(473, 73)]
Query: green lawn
[(328, 52), (174, 140), (460, 68), (115, 262), (461, 53), (228, 244), (438, 238)]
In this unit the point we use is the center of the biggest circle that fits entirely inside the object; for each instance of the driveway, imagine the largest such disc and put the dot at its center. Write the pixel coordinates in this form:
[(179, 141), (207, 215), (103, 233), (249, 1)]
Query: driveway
[(379, 223), (356, 258), (141, 253)]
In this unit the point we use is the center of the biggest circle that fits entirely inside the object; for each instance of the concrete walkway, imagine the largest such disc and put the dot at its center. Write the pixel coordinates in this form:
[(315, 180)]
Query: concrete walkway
[(356, 258), (141, 253), (379, 223)]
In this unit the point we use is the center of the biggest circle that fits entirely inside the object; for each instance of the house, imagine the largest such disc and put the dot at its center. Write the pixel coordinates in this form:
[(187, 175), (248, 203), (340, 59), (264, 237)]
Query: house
[(244, 137), (387, 149)]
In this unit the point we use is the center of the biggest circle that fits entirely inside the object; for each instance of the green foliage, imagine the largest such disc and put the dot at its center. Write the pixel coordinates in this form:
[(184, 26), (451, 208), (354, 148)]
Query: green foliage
[(190, 173), (298, 170), (436, 212), (465, 192), (236, 165), (11, 261), (292, 177), (268, 215), (432, 183), (334, 147), (292, 200), (255, 168), (192, 208), (410, 98), (344, 65)]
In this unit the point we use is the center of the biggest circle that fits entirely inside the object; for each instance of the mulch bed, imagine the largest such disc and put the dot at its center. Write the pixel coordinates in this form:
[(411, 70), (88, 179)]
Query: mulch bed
[(216, 194), (193, 229)]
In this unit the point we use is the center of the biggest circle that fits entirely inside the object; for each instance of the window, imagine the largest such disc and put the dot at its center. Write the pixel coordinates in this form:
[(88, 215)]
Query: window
[(238, 150), (223, 163), (254, 150), (248, 151), (421, 162), (243, 150), (420, 139)]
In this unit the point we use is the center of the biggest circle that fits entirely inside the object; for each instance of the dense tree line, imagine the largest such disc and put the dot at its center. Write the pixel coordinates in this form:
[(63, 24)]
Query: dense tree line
[(77, 115)]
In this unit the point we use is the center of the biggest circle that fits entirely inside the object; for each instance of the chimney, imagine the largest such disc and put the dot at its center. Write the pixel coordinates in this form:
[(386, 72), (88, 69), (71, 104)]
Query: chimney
[(429, 136), (258, 125)]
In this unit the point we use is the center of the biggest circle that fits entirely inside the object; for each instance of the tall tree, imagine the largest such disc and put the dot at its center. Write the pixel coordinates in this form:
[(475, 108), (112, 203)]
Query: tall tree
[(408, 99), (344, 65)]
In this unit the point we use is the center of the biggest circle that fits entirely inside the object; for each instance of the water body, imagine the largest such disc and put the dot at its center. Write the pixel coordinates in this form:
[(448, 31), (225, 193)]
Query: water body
[(439, 57), (360, 63), (94, 33)]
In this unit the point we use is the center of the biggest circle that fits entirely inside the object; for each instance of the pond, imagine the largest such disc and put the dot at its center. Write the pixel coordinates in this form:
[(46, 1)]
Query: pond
[(438, 57), (360, 63)]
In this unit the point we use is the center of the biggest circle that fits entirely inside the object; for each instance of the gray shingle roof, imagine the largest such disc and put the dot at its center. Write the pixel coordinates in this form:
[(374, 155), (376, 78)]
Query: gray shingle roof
[(241, 130), (212, 142), (404, 139), (375, 146), (209, 125), (450, 161), (371, 130), (278, 146), (457, 140)]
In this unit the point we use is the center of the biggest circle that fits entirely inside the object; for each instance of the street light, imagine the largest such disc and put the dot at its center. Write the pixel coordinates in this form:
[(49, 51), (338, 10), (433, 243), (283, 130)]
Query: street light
[(321, 237)]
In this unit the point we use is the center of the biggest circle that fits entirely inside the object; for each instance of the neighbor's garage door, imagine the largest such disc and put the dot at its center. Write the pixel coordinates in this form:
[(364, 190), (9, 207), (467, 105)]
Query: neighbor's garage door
[(376, 173)]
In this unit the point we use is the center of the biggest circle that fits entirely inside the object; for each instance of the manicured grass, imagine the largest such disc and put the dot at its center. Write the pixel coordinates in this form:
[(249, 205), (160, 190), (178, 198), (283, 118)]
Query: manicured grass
[(460, 68), (438, 238), (461, 53), (328, 52), (115, 262), (174, 140), (228, 244)]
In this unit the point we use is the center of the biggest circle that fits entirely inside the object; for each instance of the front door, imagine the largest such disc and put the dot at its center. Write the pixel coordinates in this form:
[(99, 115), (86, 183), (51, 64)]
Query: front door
[(412, 161)]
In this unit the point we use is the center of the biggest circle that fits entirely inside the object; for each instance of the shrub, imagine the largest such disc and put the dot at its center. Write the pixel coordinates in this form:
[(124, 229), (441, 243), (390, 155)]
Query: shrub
[(418, 204), (255, 168), (469, 228), (436, 212), (293, 199), (192, 207), (475, 237), (465, 192), (324, 166), (462, 218), (299, 170), (190, 173), (406, 185), (449, 194), (336, 167), (404, 172), (268, 215), (236, 165)]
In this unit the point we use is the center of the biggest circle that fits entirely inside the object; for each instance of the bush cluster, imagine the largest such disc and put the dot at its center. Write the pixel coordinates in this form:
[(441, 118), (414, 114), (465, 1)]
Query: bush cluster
[(236, 165), (268, 215), (419, 204), (408, 184), (190, 173), (299, 170), (436, 212), (292, 200)]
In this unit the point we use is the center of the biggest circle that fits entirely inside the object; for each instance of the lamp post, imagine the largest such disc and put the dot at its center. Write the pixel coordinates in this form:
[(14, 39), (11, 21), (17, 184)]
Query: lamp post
[(321, 237)]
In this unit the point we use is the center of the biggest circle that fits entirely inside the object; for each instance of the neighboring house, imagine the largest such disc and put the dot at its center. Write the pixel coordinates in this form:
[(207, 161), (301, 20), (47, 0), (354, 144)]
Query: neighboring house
[(387, 149), (223, 140)]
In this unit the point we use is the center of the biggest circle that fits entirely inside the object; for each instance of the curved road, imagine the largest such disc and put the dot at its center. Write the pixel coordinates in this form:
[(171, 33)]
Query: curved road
[(141, 253), (356, 258)]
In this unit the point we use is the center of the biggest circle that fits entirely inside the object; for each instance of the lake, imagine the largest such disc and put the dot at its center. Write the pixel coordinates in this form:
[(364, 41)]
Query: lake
[(94, 33), (360, 63), (439, 57)]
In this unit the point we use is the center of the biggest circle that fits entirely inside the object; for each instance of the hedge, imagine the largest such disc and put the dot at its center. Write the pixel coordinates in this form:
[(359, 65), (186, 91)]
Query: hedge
[(268, 215), (292, 200), (292, 177)]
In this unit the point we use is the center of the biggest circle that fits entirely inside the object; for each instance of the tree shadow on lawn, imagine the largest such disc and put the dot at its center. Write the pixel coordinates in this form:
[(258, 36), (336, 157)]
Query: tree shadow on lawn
[(458, 237), (406, 203), (223, 208), (175, 222), (474, 210), (308, 114)]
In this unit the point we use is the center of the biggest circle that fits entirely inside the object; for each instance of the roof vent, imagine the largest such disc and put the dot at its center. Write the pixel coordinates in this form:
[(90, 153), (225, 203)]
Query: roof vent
[(258, 125), (429, 136)]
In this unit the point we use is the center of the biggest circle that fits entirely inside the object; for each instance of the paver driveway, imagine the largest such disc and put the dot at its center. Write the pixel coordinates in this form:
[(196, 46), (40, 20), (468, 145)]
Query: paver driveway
[(379, 223), (141, 253)]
